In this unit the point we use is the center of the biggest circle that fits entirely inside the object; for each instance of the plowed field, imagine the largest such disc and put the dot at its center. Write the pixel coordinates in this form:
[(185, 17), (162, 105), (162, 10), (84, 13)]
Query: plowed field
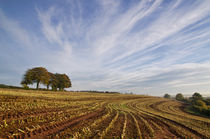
[(45, 114)]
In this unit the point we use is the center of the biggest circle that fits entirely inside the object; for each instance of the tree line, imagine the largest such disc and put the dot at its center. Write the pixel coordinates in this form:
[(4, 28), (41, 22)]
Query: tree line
[(197, 102), (40, 75)]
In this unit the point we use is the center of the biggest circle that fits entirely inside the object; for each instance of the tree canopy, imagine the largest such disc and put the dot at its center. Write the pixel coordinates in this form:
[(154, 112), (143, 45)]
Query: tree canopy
[(41, 75), (197, 96), (63, 81), (36, 75), (167, 96), (179, 97), (52, 81)]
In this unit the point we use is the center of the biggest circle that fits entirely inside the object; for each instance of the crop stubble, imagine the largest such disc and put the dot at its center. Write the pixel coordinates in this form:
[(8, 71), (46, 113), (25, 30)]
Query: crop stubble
[(41, 114)]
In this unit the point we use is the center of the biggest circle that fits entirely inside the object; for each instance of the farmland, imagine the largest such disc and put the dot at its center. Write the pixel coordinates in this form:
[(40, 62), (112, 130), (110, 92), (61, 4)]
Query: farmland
[(40, 114)]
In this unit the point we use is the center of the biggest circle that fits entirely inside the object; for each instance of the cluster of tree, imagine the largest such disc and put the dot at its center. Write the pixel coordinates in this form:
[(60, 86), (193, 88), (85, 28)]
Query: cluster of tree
[(198, 103), (178, 97), (41, 75)]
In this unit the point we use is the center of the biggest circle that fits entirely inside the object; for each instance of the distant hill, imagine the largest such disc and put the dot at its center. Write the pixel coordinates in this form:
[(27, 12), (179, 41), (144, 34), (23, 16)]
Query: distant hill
[(10, 86), (18, 87), (91, 91)]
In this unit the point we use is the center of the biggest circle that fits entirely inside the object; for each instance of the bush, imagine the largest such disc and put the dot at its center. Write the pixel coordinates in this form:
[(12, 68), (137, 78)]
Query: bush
[(25, 86), (201, 107), (167, 96), (200, 103), (179, 97), (197, 96)]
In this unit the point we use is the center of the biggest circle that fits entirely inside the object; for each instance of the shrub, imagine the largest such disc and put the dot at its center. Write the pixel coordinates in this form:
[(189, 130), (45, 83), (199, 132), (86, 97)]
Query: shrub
[(201, 107), (197, 96), (200, 103), (167, 96), (179, 97), (25, 86)]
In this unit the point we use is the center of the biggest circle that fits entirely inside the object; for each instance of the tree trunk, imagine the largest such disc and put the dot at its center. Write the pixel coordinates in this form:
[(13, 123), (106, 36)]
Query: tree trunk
[(37, 85), (48, 87)]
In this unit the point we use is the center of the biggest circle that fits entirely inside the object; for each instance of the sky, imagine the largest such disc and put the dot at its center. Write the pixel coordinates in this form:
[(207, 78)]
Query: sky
[(142, 46)]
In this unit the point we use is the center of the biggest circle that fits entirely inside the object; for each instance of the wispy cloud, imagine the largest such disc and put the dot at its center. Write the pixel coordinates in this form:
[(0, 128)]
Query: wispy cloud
[(143, 46)]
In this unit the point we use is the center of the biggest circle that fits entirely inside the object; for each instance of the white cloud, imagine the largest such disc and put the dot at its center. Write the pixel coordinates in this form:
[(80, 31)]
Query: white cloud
[(110, 41), (140, 48)]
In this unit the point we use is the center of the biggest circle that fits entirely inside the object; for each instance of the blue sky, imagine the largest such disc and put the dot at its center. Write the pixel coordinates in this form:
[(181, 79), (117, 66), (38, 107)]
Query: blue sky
[(146, 47)]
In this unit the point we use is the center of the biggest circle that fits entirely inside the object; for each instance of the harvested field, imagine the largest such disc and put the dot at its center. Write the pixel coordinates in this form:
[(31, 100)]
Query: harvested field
[(46, 114)]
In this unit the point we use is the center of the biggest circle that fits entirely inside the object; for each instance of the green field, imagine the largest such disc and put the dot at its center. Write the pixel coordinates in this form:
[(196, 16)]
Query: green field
[(41, 114)]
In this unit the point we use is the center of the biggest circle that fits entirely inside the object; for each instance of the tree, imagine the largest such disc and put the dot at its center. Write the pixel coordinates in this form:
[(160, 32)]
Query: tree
[(36, 75), (197, 96), (167, 96), (179, 97), (27, 79), (63, 81), (52, 81)]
